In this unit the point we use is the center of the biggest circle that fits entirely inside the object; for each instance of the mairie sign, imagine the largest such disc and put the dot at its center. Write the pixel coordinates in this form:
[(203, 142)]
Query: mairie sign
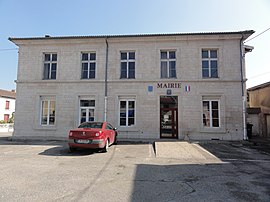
[(169, 85)]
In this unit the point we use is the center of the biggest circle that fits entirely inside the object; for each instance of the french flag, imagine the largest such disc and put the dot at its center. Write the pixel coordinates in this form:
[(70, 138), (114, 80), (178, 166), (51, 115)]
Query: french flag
[(187, 88)]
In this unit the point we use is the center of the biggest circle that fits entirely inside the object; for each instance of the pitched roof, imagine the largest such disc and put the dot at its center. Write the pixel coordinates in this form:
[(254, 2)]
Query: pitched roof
[(7, 94), (259, 86)]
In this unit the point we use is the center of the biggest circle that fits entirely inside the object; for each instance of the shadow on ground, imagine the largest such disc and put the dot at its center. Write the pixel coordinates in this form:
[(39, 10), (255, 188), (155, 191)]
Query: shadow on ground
[(64, 151), (236, 150), (209, 182)]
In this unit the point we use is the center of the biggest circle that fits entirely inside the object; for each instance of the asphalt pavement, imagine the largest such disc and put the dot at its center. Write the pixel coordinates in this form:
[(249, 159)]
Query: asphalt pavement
[(144, 171)]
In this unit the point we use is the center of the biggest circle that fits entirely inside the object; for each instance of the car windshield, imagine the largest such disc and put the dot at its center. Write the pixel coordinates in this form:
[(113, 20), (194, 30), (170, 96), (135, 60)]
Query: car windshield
[(90, 125)]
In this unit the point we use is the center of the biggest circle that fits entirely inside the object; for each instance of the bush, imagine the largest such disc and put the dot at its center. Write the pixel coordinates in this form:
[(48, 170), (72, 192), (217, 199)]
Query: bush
[(11, 120)]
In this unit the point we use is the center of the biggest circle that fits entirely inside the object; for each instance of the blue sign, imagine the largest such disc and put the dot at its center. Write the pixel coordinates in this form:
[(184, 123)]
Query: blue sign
[(169, 91), (150, 88)]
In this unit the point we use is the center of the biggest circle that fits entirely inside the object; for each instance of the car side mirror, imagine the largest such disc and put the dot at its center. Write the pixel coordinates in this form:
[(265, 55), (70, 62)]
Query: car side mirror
[(114, 128)]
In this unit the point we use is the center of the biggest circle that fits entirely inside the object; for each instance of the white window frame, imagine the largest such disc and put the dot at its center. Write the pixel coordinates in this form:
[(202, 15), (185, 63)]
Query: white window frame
[(89, 62), (210, 113), (209, 59), (128, 60), (49, 100), (168, 60), (87, 110), (119, 111), (50, 63)]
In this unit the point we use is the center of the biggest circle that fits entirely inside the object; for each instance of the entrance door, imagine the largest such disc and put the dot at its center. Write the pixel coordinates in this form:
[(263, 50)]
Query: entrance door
[(168, 117), (168, 123)]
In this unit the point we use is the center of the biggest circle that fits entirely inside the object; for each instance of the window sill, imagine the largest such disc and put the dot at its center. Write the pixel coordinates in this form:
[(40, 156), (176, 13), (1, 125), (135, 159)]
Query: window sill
[(210, 77), (212, 130), (127, 129), (127, 78), (88, 78), (169, 78), (40, 127)]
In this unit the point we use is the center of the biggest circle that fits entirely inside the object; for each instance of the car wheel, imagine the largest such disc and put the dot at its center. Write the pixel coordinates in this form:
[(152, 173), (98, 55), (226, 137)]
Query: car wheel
[(106, 147), (115, 140)]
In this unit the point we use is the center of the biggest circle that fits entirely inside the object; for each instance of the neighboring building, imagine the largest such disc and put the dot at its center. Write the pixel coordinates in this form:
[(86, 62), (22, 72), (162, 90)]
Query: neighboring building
[(180, 86), (259, 109), (7, 104)]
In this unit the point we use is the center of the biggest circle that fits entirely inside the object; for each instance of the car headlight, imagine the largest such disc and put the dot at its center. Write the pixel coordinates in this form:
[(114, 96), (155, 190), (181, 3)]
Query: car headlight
[(99, 133)]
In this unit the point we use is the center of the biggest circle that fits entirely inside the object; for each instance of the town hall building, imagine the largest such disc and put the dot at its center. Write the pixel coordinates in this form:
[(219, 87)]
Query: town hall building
[(149, 86)]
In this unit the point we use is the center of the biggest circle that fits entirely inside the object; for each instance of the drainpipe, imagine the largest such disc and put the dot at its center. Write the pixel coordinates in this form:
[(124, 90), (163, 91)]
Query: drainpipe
[(106, 81), (244, 99)]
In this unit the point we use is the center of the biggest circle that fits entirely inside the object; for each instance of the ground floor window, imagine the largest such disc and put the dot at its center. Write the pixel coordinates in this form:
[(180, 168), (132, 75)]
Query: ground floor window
[(127, 112), (47, 111), (87, 110), (6, 117), (211, 113)]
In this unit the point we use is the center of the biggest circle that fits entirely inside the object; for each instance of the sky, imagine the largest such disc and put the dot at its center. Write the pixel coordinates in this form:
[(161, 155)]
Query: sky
[(31, 18)]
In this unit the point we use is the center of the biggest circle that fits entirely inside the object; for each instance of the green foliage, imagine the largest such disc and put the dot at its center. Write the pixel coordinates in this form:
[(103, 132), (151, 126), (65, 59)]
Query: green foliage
[(11, 120)]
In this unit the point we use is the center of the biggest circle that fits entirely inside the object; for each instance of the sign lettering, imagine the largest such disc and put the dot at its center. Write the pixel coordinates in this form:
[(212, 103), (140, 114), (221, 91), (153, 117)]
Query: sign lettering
[(169, 85)]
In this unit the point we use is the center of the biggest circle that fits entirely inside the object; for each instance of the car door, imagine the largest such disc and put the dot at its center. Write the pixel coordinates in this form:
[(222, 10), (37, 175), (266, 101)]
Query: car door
[(110, 132)]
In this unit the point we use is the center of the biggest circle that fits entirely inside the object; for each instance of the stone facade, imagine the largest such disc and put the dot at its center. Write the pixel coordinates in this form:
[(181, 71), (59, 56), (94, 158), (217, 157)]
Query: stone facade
[(189, 86)]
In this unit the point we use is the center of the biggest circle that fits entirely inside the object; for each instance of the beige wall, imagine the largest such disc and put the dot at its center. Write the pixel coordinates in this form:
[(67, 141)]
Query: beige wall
[(260, 98)]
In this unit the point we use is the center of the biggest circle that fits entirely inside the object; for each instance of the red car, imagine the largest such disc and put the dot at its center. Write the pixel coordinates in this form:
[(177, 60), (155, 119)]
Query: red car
[(92, 135)]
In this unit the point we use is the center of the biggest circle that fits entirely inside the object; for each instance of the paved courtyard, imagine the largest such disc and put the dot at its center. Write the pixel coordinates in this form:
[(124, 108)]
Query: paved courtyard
[(178, 171)]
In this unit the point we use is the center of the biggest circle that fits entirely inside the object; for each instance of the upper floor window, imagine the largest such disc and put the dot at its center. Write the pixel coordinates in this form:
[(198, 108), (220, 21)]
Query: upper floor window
[(50, 66), (209, 63), (7, 104), (127, 65), (88, 66), (168, 64)]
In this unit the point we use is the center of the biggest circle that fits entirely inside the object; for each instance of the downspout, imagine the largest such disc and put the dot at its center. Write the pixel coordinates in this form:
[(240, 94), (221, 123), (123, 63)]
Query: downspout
[(244, 99), (106, 81)]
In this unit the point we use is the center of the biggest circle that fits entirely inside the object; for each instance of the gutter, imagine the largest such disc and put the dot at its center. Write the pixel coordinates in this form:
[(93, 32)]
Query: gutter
[(244, 99), (106, 80)]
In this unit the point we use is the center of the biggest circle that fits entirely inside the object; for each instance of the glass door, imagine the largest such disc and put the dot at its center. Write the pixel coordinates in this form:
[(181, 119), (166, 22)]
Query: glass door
[(168, 123), (168, 117)]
